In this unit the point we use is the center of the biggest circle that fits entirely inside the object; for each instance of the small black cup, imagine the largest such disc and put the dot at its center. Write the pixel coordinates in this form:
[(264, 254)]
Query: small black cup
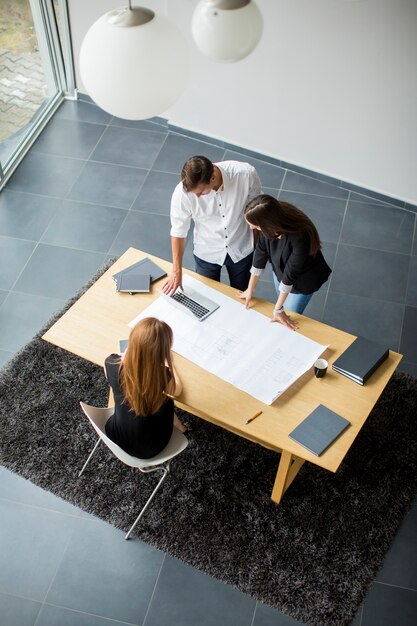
[(320, 368)]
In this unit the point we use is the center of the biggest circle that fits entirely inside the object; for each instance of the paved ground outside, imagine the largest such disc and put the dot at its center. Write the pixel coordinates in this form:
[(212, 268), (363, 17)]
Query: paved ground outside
[(22, 90), (22, 81)]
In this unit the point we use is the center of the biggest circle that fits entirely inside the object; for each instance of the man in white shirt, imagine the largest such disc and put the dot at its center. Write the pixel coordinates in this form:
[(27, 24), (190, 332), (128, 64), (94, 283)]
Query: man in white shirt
[(214, 196)]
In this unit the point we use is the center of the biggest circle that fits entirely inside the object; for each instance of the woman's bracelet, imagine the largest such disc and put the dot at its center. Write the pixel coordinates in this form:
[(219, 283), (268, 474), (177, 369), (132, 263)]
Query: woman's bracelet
[(279, 311)]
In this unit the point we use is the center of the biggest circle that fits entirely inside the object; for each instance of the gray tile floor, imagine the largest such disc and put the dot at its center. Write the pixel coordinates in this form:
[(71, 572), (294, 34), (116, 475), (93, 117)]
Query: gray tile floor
[(91, 186)]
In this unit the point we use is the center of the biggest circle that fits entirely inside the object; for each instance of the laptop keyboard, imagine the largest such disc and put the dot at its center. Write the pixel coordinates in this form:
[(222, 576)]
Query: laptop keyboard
[(197, 309)]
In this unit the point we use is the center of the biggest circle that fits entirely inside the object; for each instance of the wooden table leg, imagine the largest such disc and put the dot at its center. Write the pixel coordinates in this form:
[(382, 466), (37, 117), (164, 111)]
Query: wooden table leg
[(288, 468)]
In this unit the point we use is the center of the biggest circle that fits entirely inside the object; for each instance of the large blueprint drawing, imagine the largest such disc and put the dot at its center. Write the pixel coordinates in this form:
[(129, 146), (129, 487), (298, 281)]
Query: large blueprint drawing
[(237, 344)]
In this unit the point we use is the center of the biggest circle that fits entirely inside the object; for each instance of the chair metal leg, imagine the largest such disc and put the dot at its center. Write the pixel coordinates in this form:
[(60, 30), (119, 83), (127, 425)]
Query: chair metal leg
[(88, 460), (165, 471)]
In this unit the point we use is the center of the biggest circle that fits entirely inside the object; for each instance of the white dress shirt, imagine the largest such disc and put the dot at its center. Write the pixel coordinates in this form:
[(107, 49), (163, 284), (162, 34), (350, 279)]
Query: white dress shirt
[(219, 225)]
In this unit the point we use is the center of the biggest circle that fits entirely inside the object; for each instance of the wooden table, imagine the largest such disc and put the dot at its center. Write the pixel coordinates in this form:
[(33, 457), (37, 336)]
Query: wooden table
[(93, 326)]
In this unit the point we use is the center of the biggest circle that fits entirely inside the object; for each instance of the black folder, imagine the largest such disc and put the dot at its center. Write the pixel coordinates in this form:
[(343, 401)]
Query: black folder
[(319, 429), (361, 359), (145, 266)]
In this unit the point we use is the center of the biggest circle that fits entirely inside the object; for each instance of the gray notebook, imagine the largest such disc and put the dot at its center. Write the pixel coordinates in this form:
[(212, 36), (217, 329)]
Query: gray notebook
[(133, 283), (319, 429)]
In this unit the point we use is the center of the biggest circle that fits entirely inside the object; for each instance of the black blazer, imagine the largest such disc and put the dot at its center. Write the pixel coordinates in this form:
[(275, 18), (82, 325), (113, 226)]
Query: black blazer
[(292, 263)]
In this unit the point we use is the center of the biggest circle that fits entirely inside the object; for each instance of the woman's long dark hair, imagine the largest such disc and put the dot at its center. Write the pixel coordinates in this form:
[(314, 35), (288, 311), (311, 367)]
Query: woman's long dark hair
[(276, 218)]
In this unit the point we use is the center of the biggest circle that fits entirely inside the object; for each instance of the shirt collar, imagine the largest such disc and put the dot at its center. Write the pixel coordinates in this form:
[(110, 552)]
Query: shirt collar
[(225, 177)]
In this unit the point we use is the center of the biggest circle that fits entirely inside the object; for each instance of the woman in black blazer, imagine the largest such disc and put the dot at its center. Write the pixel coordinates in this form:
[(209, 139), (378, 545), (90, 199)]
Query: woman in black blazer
[(290, 241)]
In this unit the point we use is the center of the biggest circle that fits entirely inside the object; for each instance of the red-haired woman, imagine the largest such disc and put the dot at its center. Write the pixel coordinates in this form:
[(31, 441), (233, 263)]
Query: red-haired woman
[(143, 381)]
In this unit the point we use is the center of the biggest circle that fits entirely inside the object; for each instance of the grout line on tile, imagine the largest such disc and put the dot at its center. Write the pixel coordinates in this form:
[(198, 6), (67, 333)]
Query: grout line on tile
[(24, 267), (76, 180), (159, 151), (378, 582), (58, 208), (58, 565), (20, 597), (139, 191), (154, 590), (405, 302), (336, 251), (384, 205), (118, 233), (254, 613), (31, 193), (97, 142), (39, 507), (113, 164), (282, 183), (158, 130), (174, 133), (370, 249), (18, 238), (414, 236), (378, 300), (315, 195), (110, 620)]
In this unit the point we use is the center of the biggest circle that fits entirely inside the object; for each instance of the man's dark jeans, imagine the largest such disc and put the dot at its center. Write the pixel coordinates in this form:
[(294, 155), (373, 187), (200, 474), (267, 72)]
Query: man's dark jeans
[(239, 273)]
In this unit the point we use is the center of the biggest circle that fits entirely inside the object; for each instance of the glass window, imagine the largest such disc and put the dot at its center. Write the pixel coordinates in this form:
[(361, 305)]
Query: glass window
[(33, 72)]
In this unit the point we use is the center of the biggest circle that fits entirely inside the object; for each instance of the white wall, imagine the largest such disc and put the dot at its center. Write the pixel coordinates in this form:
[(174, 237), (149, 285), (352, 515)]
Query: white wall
[(331, 87)]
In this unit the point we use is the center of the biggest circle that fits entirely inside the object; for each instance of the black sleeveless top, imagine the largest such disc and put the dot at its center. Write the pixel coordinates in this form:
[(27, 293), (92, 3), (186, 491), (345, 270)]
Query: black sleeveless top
[(143, 436)]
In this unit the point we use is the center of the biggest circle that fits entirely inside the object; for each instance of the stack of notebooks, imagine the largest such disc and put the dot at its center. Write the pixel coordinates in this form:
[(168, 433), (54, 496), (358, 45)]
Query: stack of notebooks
[(137, 278), (319, 429), (361, 360)]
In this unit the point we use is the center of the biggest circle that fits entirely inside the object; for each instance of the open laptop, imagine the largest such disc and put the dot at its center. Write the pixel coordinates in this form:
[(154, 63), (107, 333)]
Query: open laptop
[(193, 303)]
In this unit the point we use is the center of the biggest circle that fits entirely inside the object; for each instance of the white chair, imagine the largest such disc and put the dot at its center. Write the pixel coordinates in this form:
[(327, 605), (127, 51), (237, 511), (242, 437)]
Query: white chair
[(161, 462)]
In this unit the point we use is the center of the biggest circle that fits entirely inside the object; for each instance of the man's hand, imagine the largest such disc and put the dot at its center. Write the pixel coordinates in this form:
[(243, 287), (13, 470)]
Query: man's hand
[(173, 281), (285, 320), (245, 295)]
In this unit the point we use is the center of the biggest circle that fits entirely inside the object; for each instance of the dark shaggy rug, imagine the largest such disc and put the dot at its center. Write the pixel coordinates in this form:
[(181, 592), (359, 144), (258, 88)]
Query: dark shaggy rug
[(313, 557)]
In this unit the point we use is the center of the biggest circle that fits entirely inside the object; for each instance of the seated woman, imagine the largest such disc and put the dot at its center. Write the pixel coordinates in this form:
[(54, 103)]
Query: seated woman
[(142, 380), (289, 240)]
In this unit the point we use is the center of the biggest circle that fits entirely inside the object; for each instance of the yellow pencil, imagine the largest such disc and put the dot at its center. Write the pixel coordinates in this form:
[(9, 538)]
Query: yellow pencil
[(254, 417)]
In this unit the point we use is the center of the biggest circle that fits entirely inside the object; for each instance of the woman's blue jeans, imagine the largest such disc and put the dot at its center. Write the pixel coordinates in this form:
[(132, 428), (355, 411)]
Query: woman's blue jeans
[(295, 302)]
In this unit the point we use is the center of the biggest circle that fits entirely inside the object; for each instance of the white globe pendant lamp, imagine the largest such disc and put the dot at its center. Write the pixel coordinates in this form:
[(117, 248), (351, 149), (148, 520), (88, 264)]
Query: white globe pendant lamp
[(226, 30), (134, 63)]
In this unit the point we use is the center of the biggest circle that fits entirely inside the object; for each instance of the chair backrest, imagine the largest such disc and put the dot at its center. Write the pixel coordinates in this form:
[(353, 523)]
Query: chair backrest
[(98, 418)]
